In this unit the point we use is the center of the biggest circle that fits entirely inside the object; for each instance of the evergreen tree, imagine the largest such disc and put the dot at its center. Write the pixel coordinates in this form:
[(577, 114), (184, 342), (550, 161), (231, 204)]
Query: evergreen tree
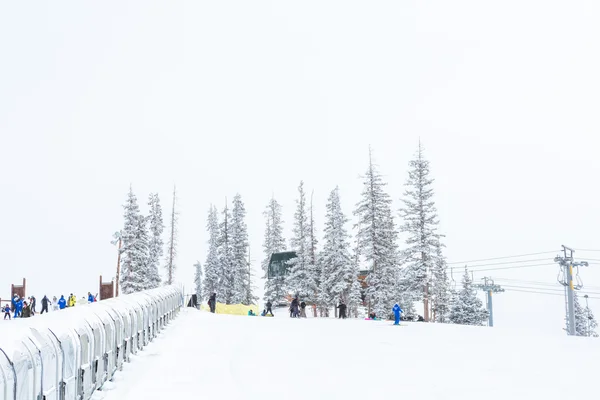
[(172, 243), (585, 323), (212, 266), (299, 278), (420, 223), (468, 308), (226, 268), (155, 248), (441, 294), (134, 263), (274, 243), (377, 241), (314, 267), (198, 281), (240, 267), (338, 268)]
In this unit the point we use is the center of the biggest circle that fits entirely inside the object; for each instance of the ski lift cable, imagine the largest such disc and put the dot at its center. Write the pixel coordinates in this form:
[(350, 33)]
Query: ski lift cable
[(501, 268), (505, 257), (546, 293), (552, 284), (511, 262)]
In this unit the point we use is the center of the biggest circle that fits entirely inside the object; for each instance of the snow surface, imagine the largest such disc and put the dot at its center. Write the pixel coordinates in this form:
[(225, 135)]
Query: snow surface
[(212, 356)]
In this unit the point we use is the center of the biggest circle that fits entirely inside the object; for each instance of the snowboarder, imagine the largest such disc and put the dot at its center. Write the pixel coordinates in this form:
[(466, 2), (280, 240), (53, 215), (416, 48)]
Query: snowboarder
[(62, 303), (397, 310), (342, 308), (6, 310), (45, 301), (212, 302), (269, 310), (303, 310)]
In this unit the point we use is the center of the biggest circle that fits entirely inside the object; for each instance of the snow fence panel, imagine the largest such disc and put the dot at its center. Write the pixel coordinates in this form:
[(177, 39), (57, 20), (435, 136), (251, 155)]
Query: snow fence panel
[(86, 379), (118, 340), (138, 321), (70, 348), (49, 350), (110, 342), (25, 359), (128, 314), (7, 377), (144, 305)]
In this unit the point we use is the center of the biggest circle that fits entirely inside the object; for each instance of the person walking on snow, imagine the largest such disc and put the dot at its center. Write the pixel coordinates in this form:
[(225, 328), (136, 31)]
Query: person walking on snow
[(54, 303), (32, 303), (62, 303), (269, 310), (19, 308), (6, 310), (212, 302), (303, 310), (342, 308), (44, 304), (397, 310)]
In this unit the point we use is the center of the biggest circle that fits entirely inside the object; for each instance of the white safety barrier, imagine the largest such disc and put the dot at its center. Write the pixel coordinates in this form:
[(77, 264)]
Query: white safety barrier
[(67, 355)]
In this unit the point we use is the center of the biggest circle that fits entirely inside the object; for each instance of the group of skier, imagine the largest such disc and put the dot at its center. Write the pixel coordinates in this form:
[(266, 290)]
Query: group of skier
[(26, 308)]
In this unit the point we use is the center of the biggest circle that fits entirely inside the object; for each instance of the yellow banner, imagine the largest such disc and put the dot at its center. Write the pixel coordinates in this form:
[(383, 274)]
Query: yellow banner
[(232, 309)]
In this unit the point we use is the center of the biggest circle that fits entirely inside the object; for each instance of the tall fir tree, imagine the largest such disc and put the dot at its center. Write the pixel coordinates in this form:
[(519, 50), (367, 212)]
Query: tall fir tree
[(441, 294), (299, 278), (468, 308), (274, 243), (155, 246), (172, 242), (337, 266), (212, 266), (421, 226), (585, 323), (198, 281), (240, 268), (226, 269), (377, 241), (134, 260)]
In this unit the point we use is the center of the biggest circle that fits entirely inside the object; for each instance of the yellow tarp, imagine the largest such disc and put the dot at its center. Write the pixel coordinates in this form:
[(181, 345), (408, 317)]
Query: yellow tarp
[(232, 309)]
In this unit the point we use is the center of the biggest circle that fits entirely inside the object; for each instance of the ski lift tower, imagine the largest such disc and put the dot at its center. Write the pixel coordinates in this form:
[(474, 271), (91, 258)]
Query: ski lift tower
[(566, 263), (489, 287)]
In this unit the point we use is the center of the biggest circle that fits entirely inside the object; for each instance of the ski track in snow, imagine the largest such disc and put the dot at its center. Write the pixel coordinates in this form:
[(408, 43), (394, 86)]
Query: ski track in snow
[(203, 355)]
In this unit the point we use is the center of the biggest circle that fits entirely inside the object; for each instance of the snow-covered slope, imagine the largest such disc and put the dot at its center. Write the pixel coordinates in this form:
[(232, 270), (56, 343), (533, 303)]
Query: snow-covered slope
[(207, 356)]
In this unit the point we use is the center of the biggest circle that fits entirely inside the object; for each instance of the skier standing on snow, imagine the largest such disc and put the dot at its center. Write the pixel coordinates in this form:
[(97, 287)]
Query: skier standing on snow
[(294, 308), (342, 308), (44, 304), (62, 303), (6, 311), (212, 302), (397, 310)]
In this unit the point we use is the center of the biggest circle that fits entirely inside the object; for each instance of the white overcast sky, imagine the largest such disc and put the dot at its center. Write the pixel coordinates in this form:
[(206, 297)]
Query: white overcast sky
[(252, 97)]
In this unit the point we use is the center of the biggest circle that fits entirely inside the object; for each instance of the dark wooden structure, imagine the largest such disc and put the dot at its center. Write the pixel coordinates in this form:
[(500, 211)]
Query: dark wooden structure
[(19, 290), (106, 289), (278, 264)]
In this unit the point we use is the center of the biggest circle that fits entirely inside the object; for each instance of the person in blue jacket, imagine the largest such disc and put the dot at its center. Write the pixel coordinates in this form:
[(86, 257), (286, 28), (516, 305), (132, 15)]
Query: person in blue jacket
[(397, 310), (62, 303), (90, 297), (19, 308)]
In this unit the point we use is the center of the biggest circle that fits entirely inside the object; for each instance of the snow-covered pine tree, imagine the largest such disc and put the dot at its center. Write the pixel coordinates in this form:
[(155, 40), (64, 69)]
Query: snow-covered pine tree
[(134, 260), (198, 281), (155, 245), (468, 308), (226, 270), (274, 243), (441, 293), (421, 224), (172, 242), (299, 278), (377, 241), (212, 266), (240, 268), (585, 323), (337, 266), (315, 269)]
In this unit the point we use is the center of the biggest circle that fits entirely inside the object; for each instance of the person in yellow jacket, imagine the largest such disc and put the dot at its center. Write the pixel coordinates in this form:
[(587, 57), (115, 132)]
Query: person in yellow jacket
[(72, 300)]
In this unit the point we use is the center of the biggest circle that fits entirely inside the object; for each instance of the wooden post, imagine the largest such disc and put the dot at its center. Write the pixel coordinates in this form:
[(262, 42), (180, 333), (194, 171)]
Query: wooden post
[(118, 269)]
